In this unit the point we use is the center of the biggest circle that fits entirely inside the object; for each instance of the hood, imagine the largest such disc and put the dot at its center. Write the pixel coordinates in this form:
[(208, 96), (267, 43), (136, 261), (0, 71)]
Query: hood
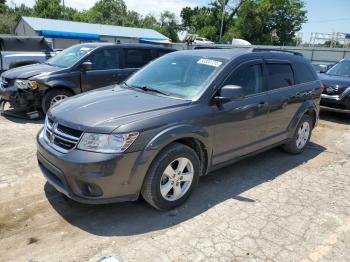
[(332, 80), (25, 72), (104, 110)]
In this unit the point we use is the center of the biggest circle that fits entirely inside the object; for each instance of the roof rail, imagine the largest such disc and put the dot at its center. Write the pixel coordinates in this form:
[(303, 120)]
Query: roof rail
[(276, 50)]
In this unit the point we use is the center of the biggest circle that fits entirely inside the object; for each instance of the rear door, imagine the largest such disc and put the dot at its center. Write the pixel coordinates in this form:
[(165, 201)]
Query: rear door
[(283, 97), (105, 69)]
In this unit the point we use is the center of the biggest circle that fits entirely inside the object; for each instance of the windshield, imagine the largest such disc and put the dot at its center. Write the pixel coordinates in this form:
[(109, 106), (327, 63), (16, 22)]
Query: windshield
[(340, 69), (70, 56), (183, 76)]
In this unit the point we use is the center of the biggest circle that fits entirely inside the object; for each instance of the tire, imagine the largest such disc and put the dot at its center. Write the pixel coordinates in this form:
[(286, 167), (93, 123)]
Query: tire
[(169, 159), (301, 136), (51, 95)]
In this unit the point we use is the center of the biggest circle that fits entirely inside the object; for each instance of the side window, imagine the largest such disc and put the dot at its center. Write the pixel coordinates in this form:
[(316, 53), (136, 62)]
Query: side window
[(280, 75), (303, 73), (105, 59), (250, 78), (136, 58)]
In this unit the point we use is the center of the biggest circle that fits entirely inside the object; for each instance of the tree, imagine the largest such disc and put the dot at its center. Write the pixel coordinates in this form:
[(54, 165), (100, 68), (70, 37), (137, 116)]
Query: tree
[(112, 12), (206, 20), (48, 9), (168, 25), (257, 19), (7, 23)]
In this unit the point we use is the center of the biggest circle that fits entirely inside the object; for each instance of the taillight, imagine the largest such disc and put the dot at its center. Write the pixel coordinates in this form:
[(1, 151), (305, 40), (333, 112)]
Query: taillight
[(321, 88)]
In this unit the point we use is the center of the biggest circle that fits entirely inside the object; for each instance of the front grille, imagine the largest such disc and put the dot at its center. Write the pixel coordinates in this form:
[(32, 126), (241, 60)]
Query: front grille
[(333, 105), (334, 90), (60, 137)]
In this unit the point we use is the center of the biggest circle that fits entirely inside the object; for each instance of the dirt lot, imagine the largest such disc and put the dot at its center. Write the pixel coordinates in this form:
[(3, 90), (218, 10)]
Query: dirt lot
[(273, 207)]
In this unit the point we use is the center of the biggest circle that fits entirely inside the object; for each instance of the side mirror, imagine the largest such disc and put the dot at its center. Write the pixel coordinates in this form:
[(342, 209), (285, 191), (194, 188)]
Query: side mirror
[(86, 66), (229, 93), (323, 69)]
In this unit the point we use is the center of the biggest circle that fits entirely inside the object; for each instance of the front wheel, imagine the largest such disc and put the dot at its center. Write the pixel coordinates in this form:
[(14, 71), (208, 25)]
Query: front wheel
[(301, 136), (54, 96), (172, 177)]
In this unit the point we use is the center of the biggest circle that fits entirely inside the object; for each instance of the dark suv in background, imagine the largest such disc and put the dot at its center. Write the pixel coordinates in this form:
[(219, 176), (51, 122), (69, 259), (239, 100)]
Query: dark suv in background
[(77, 69), (336, 94), (180, 117)]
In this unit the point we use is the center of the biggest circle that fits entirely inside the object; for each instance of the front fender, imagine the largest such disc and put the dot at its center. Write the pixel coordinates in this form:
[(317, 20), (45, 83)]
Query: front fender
[(59, 83), (160, 141)]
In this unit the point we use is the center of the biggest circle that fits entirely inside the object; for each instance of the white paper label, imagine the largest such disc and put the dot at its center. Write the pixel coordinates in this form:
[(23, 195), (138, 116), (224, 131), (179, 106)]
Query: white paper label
[(209, 62)]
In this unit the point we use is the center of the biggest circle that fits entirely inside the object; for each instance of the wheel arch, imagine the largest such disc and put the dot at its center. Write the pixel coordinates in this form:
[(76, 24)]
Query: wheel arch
[(308, 108), (195, 137)]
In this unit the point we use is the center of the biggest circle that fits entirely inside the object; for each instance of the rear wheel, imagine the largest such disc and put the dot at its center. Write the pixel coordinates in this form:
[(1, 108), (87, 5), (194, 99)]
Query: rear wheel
[(301, 136), (54, 96), (172, 177)]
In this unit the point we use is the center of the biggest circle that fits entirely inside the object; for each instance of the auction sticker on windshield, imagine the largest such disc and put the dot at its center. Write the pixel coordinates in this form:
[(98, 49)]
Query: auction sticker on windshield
[(209, 62)]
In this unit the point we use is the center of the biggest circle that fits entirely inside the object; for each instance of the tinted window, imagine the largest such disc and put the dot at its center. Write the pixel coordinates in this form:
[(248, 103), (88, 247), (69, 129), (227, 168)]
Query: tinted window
[(303, 73), (280, 75), (250, 78), (136, 58), (105, 59)]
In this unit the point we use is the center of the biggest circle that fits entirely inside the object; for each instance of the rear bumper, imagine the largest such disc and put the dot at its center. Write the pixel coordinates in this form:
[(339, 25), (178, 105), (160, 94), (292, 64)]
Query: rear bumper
[(89, 177)]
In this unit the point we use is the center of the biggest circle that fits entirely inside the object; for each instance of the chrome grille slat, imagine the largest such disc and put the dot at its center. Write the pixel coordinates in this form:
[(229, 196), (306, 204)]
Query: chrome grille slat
[(57, 139)]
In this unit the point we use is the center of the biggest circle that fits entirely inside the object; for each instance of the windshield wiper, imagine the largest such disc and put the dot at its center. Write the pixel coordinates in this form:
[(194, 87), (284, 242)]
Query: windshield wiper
[(147, 88)]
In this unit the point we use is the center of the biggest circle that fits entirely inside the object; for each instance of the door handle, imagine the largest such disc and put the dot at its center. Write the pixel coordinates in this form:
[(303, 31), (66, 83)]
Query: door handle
[(262, 105)]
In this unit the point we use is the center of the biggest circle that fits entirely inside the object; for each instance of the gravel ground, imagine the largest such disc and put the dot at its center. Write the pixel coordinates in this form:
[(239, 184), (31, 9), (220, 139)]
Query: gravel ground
[(271, 207)]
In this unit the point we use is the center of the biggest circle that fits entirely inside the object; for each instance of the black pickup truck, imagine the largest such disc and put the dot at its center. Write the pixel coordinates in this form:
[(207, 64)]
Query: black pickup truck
[(19, 51), (77, 69)]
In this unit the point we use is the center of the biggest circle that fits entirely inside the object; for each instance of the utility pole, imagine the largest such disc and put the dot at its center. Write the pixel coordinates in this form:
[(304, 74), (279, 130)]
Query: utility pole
[(64, 10), (222, 18)]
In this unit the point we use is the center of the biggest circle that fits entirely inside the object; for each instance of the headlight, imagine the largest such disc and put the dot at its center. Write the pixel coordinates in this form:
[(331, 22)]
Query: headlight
[(107, 143), (26, 84)]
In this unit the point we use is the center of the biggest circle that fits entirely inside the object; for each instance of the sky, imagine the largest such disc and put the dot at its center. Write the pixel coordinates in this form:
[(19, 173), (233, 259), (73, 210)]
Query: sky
[(324, 16)]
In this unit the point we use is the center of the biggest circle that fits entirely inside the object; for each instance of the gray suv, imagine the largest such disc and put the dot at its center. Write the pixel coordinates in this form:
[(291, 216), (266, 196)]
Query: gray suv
[(179, 118)]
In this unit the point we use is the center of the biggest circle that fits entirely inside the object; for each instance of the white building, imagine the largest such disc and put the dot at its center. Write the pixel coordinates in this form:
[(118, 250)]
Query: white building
[(63, 33)]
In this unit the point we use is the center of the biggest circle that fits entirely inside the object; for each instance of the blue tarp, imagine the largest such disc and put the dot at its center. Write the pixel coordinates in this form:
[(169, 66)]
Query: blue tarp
[(69, 35)]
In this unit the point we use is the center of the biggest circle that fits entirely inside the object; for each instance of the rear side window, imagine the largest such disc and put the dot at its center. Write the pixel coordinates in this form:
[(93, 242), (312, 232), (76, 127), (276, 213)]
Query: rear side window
[(280, 75), (250, 78), (303, 73), (105, 59), (136, 58)]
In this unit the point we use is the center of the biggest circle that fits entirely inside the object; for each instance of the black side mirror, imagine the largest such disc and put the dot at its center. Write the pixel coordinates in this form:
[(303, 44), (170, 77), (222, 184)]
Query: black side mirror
[(86, 66), (229, 93)]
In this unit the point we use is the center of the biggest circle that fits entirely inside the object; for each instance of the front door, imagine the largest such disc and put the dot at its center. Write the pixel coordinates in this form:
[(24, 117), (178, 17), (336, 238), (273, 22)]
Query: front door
[(241, 124), (105, 70)]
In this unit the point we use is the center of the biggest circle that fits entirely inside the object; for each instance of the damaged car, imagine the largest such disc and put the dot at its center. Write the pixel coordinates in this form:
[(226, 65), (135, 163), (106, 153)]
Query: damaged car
[(75, 70)]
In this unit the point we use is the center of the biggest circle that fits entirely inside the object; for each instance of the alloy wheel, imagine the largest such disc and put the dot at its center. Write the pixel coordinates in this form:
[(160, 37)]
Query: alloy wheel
[(176, 179)]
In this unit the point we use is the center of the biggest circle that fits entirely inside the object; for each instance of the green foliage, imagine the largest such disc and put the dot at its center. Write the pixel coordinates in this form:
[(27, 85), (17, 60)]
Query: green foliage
[(48, 9), (7, 23), (252, 20)]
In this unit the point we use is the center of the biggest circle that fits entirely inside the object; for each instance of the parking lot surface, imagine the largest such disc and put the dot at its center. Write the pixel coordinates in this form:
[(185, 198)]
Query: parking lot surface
[(271, 207)]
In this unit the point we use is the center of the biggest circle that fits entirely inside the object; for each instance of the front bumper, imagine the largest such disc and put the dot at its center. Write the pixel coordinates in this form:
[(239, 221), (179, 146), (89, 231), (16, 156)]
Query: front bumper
[(89, 177), (336, 103)]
